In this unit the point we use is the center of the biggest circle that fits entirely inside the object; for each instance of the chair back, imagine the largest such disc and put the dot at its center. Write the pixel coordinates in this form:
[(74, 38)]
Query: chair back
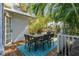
[(52, 35), (45, 37), (26, 37)]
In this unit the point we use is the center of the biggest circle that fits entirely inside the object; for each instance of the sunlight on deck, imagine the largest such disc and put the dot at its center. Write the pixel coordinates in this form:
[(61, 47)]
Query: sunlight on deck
[(12, 50)]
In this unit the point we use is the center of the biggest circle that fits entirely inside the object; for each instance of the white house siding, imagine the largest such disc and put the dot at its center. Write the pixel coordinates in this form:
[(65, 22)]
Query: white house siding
[(19, 23), (1, 45)]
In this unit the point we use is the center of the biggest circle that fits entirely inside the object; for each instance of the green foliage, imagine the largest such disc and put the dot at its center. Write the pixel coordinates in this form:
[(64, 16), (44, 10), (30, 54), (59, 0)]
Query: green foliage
[(66, 12), (23, 7), (37, 9), (38, 24), (69, 15)]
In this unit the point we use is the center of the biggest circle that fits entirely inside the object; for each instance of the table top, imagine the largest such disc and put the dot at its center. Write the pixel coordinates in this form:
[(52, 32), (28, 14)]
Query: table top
[(37, 35)]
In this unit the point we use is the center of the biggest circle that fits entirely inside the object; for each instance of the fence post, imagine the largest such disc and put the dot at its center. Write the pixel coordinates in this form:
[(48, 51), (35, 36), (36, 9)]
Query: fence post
[(58, 49)]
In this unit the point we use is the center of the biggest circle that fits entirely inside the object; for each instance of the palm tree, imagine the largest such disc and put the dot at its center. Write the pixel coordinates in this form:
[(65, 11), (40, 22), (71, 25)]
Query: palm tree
[(68, 13)]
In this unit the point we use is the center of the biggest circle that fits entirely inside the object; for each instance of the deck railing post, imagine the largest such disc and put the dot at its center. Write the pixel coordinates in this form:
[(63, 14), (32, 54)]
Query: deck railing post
[(58, 49), (64, 43)]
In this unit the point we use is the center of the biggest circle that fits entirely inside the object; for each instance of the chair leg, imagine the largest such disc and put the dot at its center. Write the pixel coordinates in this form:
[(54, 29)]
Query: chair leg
[(43, 46), (49, 43), (29, 47), (35, 47), (25, 46), (53, 42)]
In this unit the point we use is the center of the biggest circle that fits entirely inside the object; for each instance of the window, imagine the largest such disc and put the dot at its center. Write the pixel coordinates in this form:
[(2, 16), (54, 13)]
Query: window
[(7, 28)]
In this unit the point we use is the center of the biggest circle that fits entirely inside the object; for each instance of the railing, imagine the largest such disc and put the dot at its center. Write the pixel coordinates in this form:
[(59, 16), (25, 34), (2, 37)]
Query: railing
[(65, 43)]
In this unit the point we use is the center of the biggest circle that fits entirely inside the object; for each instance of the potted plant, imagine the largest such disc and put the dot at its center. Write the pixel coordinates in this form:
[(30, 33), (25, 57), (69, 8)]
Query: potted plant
[(38, 25)]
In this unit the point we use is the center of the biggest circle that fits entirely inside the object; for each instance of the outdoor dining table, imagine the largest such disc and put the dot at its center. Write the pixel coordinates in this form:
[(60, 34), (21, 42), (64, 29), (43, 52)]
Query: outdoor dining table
[(37, 38)]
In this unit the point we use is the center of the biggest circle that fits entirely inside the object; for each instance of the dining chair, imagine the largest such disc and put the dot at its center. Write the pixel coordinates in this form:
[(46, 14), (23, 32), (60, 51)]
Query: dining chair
[(51, 38), (45, 41), (34, 39), (30, 43), (40, 43), (48, 39), (26, 39)]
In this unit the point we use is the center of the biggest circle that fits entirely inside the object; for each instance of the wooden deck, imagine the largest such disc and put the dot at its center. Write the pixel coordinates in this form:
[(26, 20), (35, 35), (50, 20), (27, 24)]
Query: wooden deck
[(13, 51)]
